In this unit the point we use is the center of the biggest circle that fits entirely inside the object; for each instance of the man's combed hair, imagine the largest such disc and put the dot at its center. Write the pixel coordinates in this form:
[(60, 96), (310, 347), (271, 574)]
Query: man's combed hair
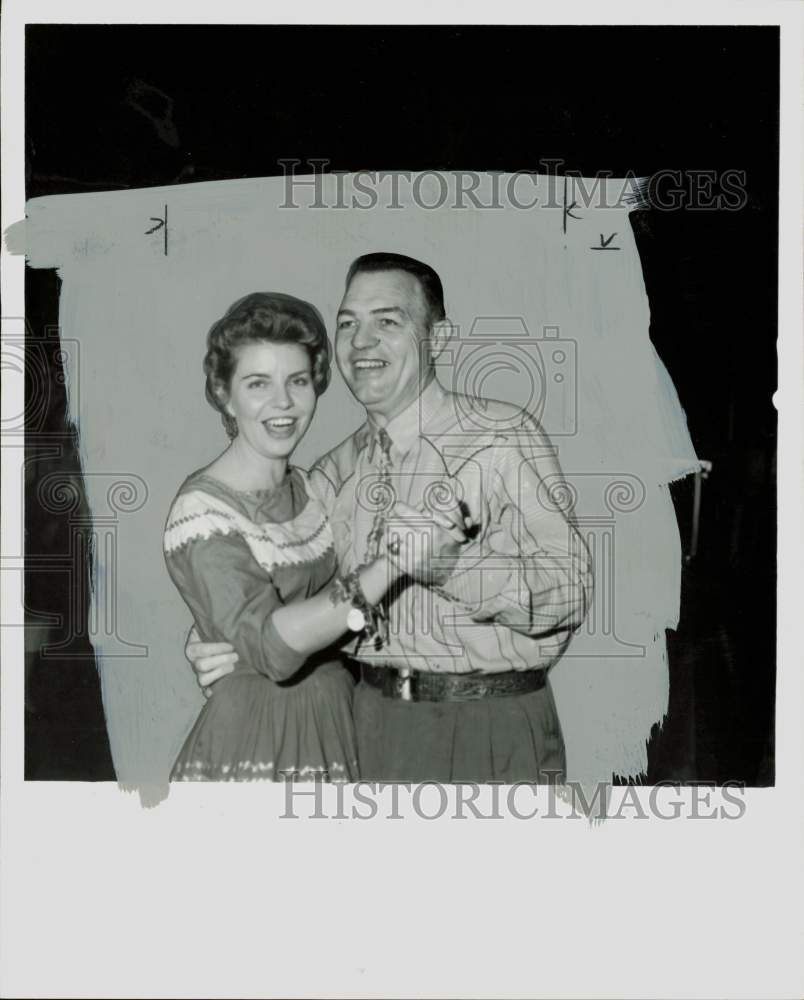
[(430, 282), (263, 317)]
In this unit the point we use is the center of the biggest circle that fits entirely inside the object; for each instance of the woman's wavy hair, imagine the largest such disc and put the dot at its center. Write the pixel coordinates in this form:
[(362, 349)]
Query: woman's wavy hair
[(263, 317)]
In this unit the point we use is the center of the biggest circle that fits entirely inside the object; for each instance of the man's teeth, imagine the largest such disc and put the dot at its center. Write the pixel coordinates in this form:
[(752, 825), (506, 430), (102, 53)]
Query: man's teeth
[(371, 364)]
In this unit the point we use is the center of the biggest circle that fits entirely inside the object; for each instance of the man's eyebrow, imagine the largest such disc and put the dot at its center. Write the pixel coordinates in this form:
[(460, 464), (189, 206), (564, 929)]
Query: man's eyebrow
[(374, 312)]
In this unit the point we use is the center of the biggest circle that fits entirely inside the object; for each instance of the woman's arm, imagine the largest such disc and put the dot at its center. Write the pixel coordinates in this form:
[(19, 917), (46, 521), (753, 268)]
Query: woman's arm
[(238, 606), (316, 623), (233, 600)]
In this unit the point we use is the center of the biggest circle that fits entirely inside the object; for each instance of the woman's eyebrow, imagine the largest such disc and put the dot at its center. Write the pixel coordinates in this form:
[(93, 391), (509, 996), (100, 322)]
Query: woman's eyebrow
[(301, 371)]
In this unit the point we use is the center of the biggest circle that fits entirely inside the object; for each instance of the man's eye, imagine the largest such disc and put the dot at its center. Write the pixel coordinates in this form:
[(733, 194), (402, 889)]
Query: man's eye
[(344, 324), (385, 321)]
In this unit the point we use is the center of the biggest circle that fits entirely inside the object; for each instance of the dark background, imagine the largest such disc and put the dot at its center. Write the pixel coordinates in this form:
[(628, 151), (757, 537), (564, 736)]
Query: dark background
[(111, 107)]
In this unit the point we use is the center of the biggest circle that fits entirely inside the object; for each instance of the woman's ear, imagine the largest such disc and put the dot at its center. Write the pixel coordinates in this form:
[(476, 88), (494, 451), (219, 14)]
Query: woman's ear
[(223, 398)]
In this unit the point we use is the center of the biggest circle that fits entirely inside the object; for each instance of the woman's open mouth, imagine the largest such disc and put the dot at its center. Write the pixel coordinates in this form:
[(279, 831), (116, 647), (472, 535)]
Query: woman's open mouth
[(280, 427)]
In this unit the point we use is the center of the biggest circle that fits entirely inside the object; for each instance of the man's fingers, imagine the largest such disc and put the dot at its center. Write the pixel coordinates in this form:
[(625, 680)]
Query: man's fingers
[(205, 655), (455, 525), (458, 515), (204, 664), (207, 649), (211, 676), (445, 521)]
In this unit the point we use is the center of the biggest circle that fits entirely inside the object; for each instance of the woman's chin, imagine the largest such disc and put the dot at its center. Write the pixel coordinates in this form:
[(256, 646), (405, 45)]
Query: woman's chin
[(283, 451)]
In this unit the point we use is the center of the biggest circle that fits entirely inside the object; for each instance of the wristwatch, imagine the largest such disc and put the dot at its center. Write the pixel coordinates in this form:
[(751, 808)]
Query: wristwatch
[(355, 619)]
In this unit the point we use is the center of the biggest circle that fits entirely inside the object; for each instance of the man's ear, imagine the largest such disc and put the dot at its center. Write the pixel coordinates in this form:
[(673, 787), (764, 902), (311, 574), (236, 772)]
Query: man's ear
[(440, 336)]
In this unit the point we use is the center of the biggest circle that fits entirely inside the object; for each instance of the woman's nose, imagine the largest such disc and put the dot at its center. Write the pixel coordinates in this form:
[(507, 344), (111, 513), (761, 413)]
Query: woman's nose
[(281, 398)]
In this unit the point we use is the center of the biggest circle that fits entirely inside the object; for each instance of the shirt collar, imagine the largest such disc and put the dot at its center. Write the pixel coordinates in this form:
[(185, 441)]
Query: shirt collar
[(406, 426)]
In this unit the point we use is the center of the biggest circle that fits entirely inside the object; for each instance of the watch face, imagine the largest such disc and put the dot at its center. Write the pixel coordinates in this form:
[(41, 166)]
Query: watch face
[(356, 620)]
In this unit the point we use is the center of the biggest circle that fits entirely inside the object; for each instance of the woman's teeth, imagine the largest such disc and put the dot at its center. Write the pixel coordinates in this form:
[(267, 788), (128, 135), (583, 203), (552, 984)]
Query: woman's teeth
[(279, 423)]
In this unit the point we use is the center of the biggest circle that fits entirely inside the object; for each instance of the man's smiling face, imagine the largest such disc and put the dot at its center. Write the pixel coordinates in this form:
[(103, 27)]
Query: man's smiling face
[(382, 323)]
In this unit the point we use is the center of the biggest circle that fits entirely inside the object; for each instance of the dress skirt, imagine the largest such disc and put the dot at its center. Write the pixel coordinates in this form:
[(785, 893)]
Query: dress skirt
[(253, 728)]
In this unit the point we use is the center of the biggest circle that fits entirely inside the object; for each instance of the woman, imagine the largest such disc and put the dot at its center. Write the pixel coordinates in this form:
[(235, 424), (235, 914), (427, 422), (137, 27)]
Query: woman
[(249, 547)]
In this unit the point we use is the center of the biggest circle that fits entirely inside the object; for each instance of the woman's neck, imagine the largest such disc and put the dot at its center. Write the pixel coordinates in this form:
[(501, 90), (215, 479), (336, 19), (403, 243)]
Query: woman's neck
[(241, 468)]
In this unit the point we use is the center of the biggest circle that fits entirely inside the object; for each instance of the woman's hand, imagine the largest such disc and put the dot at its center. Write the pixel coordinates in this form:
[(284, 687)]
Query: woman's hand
[(425, 544), (209, 660)]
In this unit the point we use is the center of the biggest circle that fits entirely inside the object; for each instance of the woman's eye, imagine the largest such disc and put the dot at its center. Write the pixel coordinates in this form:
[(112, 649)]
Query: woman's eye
[(258, 383), (302, 380)]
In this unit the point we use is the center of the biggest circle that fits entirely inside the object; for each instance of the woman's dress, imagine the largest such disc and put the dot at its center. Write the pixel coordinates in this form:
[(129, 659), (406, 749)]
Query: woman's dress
[(236, 557)]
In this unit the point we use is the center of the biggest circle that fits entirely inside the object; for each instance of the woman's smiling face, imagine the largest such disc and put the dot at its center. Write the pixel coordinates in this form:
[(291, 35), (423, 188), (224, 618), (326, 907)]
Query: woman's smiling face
[(272, 397)]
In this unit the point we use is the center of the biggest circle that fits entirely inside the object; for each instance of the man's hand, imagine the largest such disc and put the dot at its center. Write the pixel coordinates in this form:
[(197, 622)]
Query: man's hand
[(405, 546), (209, 660)]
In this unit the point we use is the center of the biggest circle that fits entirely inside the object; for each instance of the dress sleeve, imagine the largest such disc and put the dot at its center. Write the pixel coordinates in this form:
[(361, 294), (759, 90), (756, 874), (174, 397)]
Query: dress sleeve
[(231, 597)]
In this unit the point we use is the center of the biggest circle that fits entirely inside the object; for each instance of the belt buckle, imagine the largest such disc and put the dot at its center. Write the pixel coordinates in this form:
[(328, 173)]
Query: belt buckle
[(402, 685)]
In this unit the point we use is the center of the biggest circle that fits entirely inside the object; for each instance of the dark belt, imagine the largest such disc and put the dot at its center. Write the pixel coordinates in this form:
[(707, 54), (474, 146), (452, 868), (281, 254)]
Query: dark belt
[(421, 686)]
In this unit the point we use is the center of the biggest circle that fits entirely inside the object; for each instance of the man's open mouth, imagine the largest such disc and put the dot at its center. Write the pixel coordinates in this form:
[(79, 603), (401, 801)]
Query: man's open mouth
[(369, 364)]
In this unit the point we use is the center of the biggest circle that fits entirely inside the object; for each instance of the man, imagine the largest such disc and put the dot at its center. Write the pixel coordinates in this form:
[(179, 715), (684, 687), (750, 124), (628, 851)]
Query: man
[(456, 688)]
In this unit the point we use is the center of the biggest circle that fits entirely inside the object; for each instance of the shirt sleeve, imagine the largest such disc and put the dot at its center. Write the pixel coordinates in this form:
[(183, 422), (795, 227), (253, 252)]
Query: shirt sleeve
[(529, 569), (232, 600)]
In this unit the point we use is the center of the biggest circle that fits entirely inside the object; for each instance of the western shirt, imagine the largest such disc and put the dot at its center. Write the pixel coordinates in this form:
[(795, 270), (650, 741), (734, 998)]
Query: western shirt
[(522, 584)]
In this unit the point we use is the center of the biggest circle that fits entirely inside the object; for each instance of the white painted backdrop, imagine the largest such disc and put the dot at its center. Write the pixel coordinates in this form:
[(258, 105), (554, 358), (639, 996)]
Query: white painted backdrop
[(569, 322)]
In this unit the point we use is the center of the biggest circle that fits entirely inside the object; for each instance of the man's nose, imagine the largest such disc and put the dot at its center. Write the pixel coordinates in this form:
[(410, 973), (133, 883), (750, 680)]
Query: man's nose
[(363, 337)]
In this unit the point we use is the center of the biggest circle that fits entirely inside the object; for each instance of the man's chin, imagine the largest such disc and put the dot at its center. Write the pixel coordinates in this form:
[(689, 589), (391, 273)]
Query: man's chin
[(367, 394)]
